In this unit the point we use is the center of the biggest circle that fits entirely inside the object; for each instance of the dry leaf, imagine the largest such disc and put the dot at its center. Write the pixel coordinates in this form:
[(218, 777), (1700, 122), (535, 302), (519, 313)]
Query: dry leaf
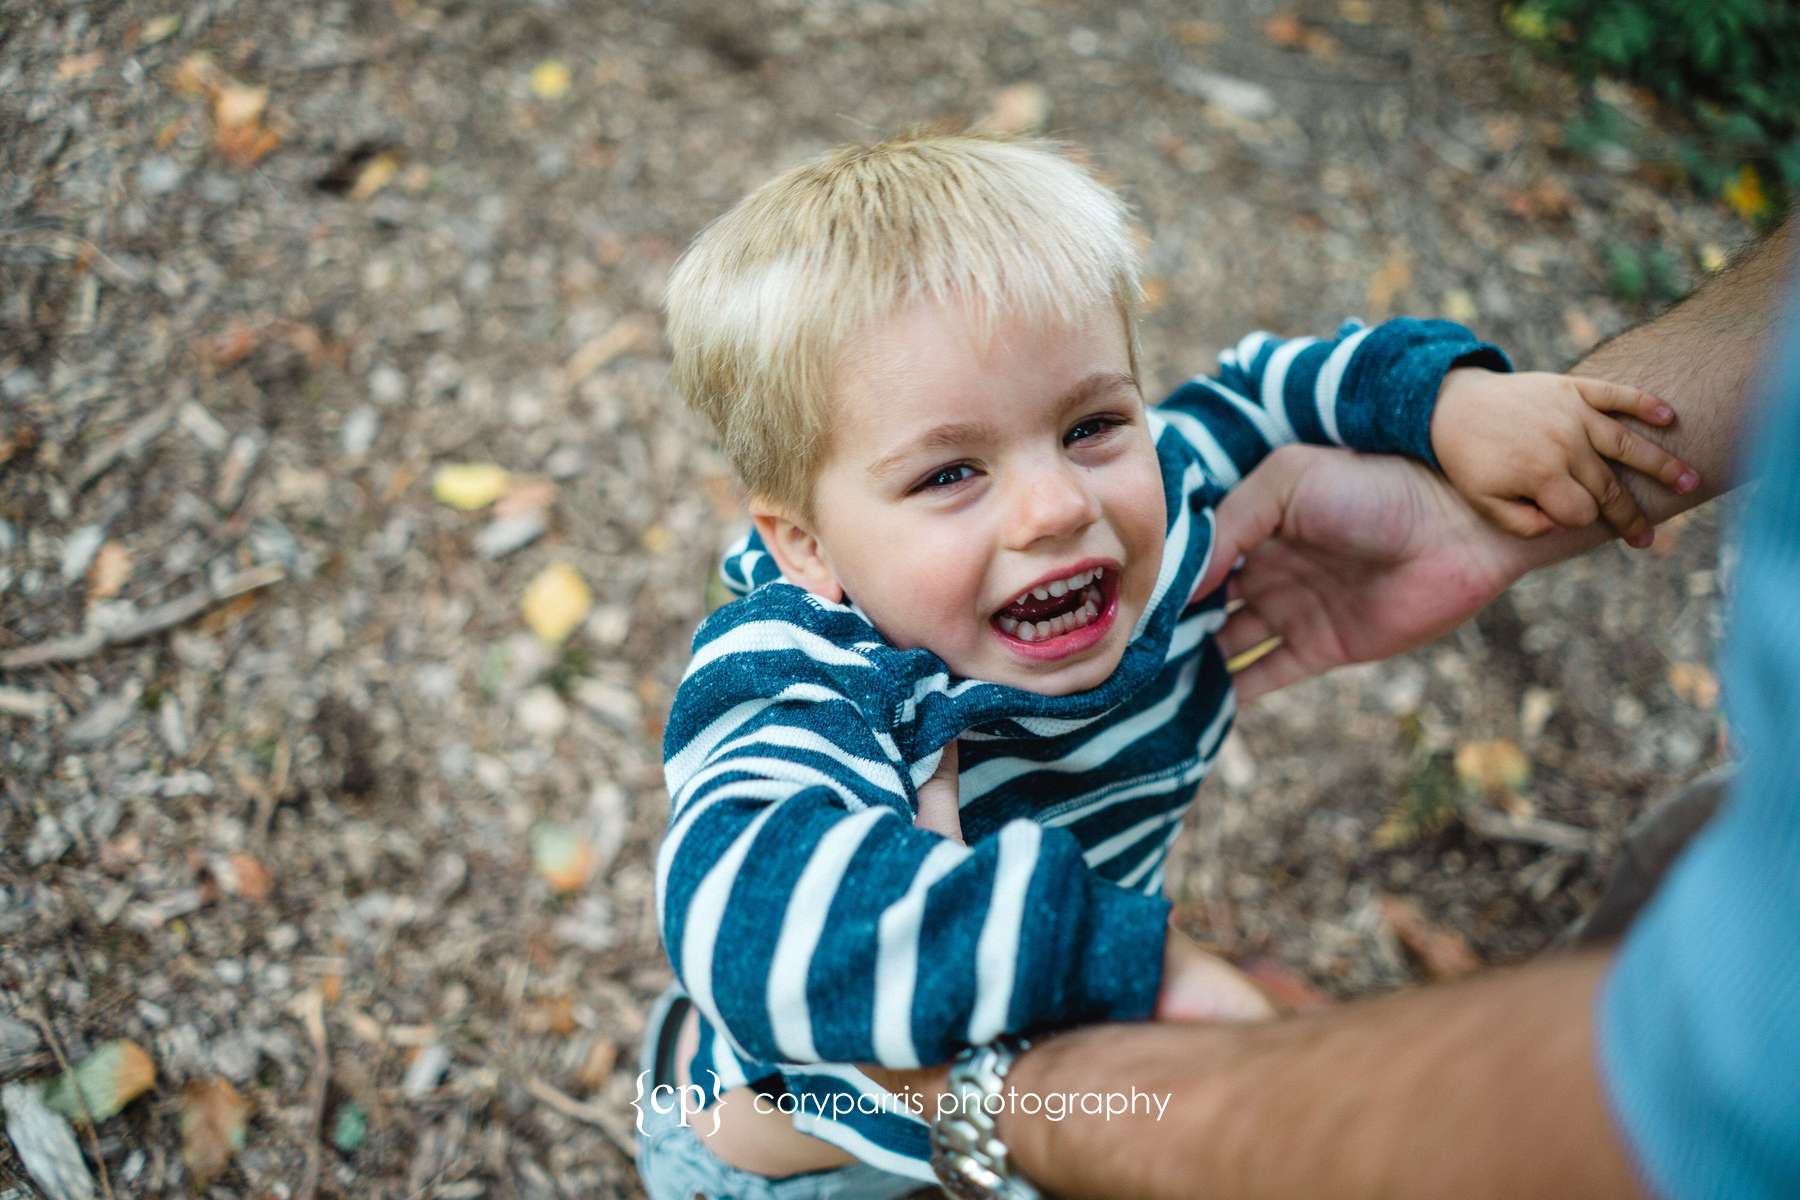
[(235, 105), (213, 1117), (1459, 306), (525, 496), (197, 75), (1535, 709), (556, 602), (561, 856), (159, 29), (1492, 766), (1444, 953), (1285, 30), (109, 571), (375, 174), (231, 347), (469, 486), (1580, 327), (249, 878), (1391, 278), (115, 1074), (1021, 108), (77, 65), (1200, 33), (1695, 683), (602, 1056), (553, 1014), (1746, 194), (549, 79), (1712, 258), (657, 539)]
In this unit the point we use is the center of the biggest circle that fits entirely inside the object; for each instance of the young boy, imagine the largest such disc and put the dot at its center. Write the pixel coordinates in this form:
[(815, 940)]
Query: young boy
[(970, 579)]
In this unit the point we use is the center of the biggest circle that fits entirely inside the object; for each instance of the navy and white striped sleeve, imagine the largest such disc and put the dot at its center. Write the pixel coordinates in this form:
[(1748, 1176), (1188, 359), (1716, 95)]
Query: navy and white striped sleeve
[(804, 912), (1372, 387)]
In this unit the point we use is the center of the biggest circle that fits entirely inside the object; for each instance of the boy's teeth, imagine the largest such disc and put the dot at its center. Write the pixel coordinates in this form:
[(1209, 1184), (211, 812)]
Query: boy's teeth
[(1061, 587), (1037, 631)]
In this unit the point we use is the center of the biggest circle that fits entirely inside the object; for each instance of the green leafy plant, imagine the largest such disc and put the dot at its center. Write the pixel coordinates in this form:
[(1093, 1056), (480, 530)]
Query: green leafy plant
[(1731, 66)]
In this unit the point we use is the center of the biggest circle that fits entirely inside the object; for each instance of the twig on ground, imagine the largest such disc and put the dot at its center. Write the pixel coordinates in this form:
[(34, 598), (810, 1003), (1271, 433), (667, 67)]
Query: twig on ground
[(62, 1064), (311, 1010), (587, 1114), (164, 616), (1536, 830)]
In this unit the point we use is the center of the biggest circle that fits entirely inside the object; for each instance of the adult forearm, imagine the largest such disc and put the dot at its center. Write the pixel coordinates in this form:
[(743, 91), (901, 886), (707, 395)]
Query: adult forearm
[(1702, 357), (1481, 1089)]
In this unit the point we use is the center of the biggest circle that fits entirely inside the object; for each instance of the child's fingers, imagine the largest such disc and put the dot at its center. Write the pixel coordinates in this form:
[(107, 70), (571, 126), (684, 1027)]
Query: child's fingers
[(1617, 506), (1621, 445), (1516, 517), (1568, 503), (1619, 398)]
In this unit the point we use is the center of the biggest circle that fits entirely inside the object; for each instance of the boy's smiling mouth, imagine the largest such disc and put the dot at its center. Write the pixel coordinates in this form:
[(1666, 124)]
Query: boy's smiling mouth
[(1060, 617)]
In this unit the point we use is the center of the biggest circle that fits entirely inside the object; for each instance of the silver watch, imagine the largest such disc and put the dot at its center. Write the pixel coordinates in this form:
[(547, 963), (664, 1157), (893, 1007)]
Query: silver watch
[(966, 1151)]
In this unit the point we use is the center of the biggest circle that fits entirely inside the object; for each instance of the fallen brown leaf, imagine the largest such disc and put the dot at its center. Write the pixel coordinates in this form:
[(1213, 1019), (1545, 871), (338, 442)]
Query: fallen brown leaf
[(1390, 279), (1695, 683), (213, 1117), (249, 878), (1444, 953), (598, 1065), (108, 572)]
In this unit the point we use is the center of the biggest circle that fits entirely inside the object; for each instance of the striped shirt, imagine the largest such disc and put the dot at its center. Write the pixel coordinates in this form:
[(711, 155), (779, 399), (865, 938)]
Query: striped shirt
[(814, 926)]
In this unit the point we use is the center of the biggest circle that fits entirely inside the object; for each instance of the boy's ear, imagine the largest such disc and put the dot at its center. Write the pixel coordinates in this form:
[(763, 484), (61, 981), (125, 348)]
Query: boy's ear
[(797, 551)]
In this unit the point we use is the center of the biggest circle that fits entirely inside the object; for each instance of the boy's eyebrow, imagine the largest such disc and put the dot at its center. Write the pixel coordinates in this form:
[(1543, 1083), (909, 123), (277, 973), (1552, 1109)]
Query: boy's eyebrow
[(957, 433)]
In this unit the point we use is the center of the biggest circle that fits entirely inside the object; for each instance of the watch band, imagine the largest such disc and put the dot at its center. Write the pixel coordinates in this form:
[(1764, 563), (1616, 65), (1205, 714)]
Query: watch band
[(967, 1154)]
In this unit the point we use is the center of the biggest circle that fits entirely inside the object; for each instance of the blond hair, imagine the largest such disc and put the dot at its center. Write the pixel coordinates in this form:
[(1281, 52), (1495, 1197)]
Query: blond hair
[(763, 304)]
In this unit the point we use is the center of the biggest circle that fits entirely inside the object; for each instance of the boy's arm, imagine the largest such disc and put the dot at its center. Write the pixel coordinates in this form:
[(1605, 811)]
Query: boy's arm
[(1371, 388), (804, 912)]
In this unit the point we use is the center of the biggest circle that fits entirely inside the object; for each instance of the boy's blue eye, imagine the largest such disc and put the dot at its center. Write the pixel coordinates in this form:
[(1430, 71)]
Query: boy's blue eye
[(943, 477), (1098, 425)]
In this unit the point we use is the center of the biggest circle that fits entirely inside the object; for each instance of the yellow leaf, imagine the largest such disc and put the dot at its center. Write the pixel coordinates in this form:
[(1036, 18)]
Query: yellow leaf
[(1745, 194), (1459, 306), (158, 29), (1712, 258), (556, 602), (236, 106), (657, 539), (1694, 683), (1493, 766), (376, 174), (549, 79), (469, 486)]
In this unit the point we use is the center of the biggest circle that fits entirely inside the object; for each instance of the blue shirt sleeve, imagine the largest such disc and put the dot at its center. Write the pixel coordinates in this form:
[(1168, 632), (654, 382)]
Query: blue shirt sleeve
[(1370, 388), (1699, 1021)]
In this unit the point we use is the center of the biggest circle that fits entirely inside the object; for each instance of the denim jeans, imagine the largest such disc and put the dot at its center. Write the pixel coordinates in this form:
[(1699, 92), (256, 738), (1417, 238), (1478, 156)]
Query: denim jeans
[(675, 1164)]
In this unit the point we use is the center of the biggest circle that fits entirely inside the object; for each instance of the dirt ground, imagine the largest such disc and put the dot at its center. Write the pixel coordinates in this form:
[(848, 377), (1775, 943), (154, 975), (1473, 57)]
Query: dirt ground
[(273, 730)]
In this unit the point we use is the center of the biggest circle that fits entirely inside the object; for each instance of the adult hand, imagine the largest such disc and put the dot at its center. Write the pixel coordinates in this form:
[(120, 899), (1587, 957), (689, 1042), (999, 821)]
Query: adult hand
[(1352, 557)]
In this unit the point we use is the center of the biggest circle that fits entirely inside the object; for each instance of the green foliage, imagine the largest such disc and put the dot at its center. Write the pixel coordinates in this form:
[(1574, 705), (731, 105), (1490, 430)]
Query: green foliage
[(1643, 271), (1732, 66)]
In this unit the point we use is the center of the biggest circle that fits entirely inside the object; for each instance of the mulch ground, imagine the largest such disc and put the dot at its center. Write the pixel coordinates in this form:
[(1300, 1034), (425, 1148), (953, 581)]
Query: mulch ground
[(274, 733)]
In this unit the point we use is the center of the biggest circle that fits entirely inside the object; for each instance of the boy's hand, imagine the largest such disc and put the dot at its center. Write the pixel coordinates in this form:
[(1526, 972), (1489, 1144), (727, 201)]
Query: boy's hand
[(940, 809), (1528, 450), (1198, 986)]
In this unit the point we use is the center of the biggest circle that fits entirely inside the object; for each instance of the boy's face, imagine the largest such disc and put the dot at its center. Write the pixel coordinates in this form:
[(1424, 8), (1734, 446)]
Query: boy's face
[(963, 475)]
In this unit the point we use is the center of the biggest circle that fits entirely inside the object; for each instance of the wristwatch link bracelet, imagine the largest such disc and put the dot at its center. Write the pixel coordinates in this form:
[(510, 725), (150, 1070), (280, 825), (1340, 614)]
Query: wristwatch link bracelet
[(967, 1154)]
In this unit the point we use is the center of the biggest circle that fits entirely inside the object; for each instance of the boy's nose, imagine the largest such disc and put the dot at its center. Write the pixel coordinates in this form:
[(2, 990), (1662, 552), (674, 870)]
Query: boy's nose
[(1050, 504)]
